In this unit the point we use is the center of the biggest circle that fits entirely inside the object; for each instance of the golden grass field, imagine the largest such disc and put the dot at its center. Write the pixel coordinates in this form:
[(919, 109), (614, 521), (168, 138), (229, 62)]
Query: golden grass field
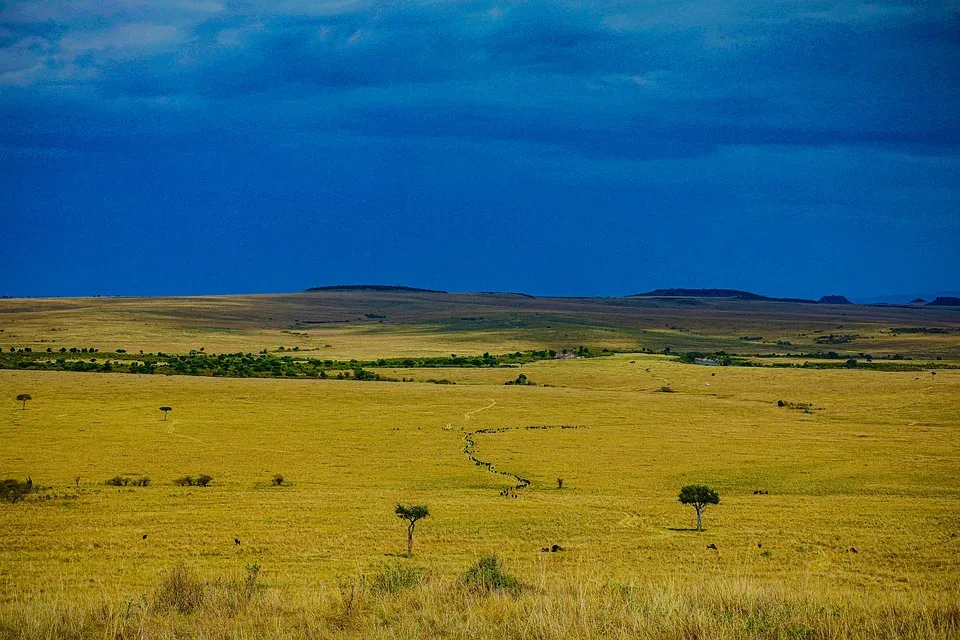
[(874, 465)]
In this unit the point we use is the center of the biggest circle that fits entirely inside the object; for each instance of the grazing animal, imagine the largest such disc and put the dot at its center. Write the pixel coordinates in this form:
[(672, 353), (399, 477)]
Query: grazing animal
[(556, 548), (236, 541), (712, 546), (144, 537), (544, 549), (853, 550), (759, 545)]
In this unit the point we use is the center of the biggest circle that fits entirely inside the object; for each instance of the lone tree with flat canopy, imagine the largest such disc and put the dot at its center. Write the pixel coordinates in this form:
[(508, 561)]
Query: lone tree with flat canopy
[(699, 496), (23, 397), (411, 514), (165, 410)]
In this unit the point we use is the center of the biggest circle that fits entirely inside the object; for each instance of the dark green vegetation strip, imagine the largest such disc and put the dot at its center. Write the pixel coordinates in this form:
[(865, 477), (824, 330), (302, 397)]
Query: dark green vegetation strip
[(248, 365), (822, 360)]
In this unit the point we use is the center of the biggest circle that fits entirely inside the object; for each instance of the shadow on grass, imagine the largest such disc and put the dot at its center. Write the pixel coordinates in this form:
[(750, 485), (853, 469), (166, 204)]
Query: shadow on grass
[(684, 529)]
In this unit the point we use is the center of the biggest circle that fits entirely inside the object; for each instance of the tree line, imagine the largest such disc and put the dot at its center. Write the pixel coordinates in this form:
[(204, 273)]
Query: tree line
[(249, 365)]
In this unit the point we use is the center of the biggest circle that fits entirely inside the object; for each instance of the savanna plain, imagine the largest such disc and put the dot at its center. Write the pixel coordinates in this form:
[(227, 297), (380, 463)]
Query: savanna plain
[(832, 441)]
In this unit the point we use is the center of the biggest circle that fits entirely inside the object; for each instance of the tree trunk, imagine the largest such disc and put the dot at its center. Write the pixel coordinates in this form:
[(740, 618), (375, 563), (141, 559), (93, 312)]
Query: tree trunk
[(699, 520), (24, 408), (410, 540)]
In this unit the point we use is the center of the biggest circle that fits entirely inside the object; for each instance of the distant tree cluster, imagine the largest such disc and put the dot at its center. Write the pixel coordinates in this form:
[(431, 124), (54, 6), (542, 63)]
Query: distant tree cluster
[(262, 365), (202, 480)]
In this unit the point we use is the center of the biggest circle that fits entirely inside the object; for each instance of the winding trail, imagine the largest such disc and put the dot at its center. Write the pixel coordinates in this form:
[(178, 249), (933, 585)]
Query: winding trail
[(172, 431), (469, 450)]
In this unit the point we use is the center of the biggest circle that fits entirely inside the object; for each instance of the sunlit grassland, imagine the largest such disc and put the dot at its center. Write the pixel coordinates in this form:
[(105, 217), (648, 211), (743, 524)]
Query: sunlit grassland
[(367, 325), (871, 464)]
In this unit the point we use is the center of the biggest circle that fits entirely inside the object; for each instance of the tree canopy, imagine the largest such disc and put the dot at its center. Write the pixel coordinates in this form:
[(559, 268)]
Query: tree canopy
[(699, 496)]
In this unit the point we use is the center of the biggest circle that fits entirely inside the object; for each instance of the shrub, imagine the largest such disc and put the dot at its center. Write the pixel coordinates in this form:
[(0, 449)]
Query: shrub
[(180, 591), (125, 481), (666, 389), (14, 490), (397, 577), (521, 380), (488, 574), (203, 480), (185, 481), (277, 480)]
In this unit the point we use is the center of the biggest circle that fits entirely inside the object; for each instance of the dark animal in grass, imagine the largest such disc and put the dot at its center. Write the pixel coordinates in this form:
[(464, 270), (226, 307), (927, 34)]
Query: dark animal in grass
[(236, 541), (853, 550), (759, 545), (144, 537), (712, 546)]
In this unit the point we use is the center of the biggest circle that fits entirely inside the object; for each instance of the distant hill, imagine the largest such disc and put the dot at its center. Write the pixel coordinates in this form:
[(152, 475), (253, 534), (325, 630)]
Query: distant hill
[(372, 287), (833, 299), (735, 294), (911, 297), (944, 301)]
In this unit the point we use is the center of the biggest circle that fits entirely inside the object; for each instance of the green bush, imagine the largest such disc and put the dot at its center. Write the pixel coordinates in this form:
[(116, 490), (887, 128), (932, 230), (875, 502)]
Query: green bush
[(488, 574), (203, 480), (14, 490), (397, 577), (185, 481)]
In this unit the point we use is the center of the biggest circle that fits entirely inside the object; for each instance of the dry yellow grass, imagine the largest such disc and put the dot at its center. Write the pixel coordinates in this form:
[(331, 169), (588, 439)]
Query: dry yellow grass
[(872, 466)]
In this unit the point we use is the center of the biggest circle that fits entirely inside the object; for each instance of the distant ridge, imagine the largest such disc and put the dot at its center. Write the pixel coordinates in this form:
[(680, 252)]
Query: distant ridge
[(505, 293), (372, 287), (918, 301), (736, 294), (833, 299), (944, 301)]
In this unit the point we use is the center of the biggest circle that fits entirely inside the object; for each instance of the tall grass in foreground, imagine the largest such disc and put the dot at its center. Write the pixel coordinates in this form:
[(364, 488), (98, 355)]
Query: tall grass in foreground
[(575, 606)]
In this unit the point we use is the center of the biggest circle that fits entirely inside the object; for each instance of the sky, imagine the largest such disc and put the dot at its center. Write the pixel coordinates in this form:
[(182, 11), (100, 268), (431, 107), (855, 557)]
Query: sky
[(555, 148)]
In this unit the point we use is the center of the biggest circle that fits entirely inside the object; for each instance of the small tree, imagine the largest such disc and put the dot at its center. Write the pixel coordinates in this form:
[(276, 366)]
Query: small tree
[(23, 397), (411, 514), (699, 496), (165, 410)]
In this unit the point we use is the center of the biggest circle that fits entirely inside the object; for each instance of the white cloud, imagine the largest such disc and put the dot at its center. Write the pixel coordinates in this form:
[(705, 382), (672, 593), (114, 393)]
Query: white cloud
[(121, 37)]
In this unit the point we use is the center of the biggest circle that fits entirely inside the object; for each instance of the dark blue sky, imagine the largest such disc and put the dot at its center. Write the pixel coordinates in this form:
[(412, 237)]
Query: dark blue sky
[(205, 146)]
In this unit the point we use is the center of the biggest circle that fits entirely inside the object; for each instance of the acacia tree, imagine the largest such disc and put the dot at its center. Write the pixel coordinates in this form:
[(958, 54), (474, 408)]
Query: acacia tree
[(165, 410), (411, 514), (23, 397), (698, 496)]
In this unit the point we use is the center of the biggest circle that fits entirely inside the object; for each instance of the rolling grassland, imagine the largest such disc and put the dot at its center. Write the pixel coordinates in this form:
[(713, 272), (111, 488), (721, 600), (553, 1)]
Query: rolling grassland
[(838, 512)]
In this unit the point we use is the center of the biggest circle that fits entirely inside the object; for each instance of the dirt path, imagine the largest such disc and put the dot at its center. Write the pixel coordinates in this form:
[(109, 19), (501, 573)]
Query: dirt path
[(172, 431)]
